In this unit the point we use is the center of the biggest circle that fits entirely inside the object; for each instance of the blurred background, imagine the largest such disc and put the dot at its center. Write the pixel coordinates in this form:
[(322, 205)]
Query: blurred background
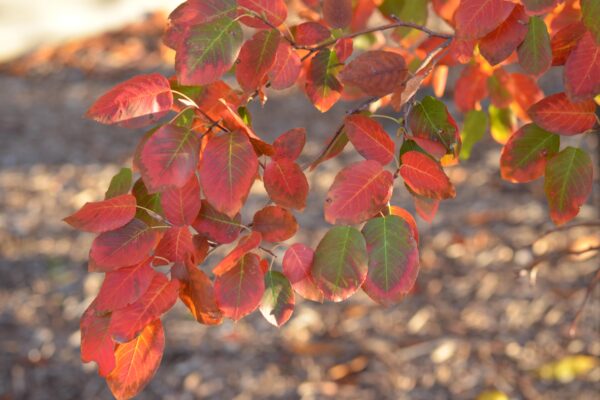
[(474, 323)]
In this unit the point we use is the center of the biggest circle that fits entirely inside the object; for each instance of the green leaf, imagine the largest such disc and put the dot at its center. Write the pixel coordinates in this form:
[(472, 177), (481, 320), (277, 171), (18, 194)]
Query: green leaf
[(120, 183), (475, 126), (278, 301), (502, 121), (568, 183), (340, 263), (535, 53), (591, 17), (393, 259)]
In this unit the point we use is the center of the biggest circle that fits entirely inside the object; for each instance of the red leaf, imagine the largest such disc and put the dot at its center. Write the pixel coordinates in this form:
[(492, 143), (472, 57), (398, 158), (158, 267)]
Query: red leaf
[(207, 51), (245, 245), (471, 87), (181, 205), (96, 342), (477, 18), (568, 183), (426, 208), (369, 138), (137, 362), (217, 226), (123, 247), (147, 96), (286, 68), (310, 33), (524, 92), (340, 264), (557, 114), (235, 122), (158, 299), (393, 259), (499, 44), (227, 171), (124, 286), (344, 48), (297, 264), (425, 176), (277, 303), (275, 11), (564, 41), (169, 157), (358, 192), (256, 58), (582, 70), (337, 13), (198, 295), (176, 245), (275, 223), (290, 144), (376, 72), (335, 145), (535, 54), (524, 156), (286, 184), (406, 216), (102, 216), (240, 289), (322, 87)]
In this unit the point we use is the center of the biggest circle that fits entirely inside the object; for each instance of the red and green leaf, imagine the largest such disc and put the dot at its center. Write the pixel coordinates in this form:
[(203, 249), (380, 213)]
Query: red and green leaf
[(537, 7), (227, 171), (217, 226), (376, 72), (358, 192), (340, 263), (240, 289), (568, 183), (181, 205), (590, 9), (433, 128), (275, 223), (393, 259), (256, 58), (369, 138), (322, 86), (535, 53), (277, 303), (119, 184), (474, 128), (137, 362), (286, 184), (297, 264), (103, 216), (556, 113), (425, 176), (244, 246), (524, 156), (408, 218)]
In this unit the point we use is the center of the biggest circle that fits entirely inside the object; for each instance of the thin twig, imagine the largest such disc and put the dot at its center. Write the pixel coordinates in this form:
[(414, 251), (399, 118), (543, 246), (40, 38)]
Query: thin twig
[(588, 293)]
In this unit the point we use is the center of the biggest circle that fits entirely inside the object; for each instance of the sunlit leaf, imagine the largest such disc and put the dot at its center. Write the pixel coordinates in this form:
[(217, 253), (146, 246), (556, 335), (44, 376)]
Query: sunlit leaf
[(475, 126), (181, 205), (245, 245), (227, 171), (286, 68), (499, 44), (297, 264), (425, 176), (290, 144), (340, 263), (524, 156), (393, 259), (176, 244), (197, 293), (322, 86), (240, 289), (217, 226), (256, 58), (471, 87), (286, 184), (274, 11), (149, 201), (502, 122), (376, 72), (535, 54), (433, 128), (369, 138), (119, 184), (568, 183), (556, 113), (275, 223), (137, 362), (103, 216), (564, 41), (278, 301), (476, 18), (582, 70), (358, 192), (525, 92)]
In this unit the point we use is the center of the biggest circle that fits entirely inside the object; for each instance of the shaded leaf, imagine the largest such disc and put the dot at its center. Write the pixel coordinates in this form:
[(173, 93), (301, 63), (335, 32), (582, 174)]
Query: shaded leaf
[(119, 184), (208, 50), (256, 58), (564, 41), (535, 54), (476, 18), (275, 223), (426, 207), (181, 205), (197, 293), (139, 101), (240, 289), (297, 264), (525, 92), (425, 176), (499, 44), (340, 263), (123, 247), (310, 33), (376, 72), (369, 138), (245, 245), (286, 68), (227, 171), (216, 226), (286, 184), (524, 156), (358, 192), (537, 7), (168, 158), (290, 144), (475, 126), (471, 87), (176, 245), (408, 218), (337, 13), (335, 145), (275, 11), (590, 9), (393, 259), (103, 216), (96, 342), (149, 201), (582, 70), (137, 362), (433, 128), (568, 183), (322, 87), (556, 113), (277, 304), (161, 295)]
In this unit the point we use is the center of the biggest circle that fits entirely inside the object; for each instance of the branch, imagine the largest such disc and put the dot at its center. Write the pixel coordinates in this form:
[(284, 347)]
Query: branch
[(553, 256), (588, 293)]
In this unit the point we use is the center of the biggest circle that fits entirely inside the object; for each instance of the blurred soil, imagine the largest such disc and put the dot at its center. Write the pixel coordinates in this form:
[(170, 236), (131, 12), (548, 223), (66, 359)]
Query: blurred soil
[(472, 324)]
